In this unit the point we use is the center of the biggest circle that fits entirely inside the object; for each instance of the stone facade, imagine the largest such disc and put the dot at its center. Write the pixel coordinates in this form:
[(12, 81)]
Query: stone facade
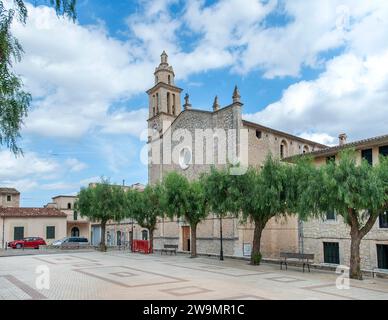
[(175, 139), (76, 225), (316, 232), (9, 197)]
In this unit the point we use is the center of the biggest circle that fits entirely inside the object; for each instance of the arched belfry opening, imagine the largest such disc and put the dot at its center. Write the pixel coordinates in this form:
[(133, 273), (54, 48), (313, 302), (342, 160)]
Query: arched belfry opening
[(164, 97)]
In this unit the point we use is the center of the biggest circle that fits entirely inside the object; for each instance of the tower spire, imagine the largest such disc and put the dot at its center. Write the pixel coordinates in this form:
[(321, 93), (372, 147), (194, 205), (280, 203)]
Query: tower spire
[(187, 104), (216, 105), (164, 58), (236, 95)]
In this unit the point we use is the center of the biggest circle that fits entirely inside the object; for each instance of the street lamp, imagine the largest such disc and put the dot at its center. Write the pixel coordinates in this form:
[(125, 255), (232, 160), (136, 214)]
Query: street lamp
[(221, 246), (132, 235)]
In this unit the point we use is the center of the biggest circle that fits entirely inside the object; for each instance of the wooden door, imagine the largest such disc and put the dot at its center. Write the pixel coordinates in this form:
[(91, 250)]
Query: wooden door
[(186, 238)]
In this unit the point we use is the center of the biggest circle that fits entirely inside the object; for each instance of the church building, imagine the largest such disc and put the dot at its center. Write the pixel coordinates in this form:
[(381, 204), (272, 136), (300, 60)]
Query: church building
[(190, 141)]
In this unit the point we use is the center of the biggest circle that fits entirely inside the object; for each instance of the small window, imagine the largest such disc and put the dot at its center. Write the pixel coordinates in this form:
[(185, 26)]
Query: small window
[(75, 215), (330, 215), (258, 134), (9, 198), (367, 155), (169, 79), (69, 206), (330, 159), (144, 235), (384, 151), (331, 252), (383, 220), (50, 232)]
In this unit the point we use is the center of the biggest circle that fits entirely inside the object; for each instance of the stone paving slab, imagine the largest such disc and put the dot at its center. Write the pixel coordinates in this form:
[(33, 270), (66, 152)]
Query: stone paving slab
[(123, 275)]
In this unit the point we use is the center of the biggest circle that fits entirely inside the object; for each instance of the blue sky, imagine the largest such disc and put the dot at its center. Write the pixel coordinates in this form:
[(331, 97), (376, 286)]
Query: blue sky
[(311, 68)]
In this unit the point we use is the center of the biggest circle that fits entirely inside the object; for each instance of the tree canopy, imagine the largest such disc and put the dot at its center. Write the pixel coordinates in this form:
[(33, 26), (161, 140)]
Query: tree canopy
[(146, 207), (102, 202), (14, 101), (358, 192), (183, 198), (260, 195)]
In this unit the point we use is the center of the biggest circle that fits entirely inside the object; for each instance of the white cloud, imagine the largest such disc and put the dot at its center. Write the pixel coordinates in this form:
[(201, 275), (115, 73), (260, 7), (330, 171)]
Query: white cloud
[(131, 122), (75, 73), (350, 96), (87, 181), (23, 166), (22, 185), (75, 165), (78, 79), (58, 186), (323, 138), (35, 172)]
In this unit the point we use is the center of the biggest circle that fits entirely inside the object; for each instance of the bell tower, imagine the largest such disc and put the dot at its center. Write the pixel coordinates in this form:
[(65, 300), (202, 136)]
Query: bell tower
[(164, 96)]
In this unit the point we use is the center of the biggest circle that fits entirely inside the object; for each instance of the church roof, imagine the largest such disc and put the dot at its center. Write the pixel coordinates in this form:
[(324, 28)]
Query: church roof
[(328, 151), (281, 133)]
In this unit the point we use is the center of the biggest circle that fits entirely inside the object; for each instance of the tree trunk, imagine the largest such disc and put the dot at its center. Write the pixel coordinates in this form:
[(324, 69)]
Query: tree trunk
[(256, 255), (355, 261), (356, 236), (102, 243), (193, 243), (151, 240)]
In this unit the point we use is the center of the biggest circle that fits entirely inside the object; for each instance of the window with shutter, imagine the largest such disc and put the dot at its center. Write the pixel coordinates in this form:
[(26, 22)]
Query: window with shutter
[(18, 233), (382, 256), (383, 151), (367, 155), (330, 215), (383, 220), (331, 252), (50, 232)]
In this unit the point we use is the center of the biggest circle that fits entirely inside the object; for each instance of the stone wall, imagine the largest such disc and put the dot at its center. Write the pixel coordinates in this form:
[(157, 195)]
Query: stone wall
[(14, 203), (318, 231)]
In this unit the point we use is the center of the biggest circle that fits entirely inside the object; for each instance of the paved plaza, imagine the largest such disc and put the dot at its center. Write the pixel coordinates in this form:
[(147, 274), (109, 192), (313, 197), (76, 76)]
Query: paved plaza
[(122, 275)]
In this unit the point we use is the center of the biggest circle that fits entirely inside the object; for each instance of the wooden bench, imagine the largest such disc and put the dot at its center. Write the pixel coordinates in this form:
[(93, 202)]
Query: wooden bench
[(300, 258), (172, 248), (381, 272)]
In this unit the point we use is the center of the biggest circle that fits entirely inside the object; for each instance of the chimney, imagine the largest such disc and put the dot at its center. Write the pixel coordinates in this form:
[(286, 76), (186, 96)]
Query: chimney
[(342, 139)]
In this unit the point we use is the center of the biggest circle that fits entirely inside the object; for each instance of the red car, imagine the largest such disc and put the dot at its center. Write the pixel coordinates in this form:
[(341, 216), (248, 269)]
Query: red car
[(30, 242)]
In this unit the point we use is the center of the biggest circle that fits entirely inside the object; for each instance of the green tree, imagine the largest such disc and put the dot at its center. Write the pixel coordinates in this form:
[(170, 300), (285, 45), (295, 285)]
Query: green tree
[(219, 190), (357, 192), (14, 101), (146, 207), (261, 196), (183, 198), (102, 202)]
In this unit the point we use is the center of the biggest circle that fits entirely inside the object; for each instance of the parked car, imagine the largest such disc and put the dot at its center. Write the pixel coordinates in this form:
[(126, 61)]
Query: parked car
[(30, 242), (69, 241)]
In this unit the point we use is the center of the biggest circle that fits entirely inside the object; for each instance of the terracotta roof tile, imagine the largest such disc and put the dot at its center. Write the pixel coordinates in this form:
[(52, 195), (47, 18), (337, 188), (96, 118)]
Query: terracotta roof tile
[(335, 149), (31, 212)]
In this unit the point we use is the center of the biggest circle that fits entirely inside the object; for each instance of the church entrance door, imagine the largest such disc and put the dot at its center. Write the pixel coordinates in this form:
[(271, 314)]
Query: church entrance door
[(186, 238)]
